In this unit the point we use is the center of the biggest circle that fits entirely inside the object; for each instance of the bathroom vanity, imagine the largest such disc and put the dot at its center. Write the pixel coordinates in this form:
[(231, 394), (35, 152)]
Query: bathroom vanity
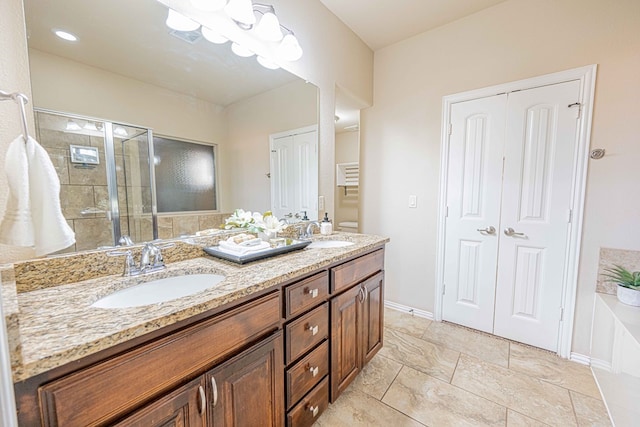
[(272, 344)]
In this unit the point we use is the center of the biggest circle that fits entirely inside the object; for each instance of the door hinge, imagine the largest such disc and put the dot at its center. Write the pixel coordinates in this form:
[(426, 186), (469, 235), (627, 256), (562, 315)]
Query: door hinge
[(446, 211), (570, 216), (561, 314), (450, 129), (444, 288)]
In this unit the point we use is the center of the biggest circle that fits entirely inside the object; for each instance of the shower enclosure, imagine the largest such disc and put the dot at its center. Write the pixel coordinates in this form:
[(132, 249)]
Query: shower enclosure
[(107, 183)]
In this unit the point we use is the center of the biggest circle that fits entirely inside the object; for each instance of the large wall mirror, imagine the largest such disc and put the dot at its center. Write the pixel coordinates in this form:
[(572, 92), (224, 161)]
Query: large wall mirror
[(128, 67)]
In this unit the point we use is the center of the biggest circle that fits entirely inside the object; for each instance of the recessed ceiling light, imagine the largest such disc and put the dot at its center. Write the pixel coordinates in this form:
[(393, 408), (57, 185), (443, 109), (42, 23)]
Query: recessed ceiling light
[(65, 35)]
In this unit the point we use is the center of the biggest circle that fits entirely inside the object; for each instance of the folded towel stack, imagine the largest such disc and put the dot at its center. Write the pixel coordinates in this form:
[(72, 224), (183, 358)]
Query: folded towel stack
[(242, 244), (33, 215)]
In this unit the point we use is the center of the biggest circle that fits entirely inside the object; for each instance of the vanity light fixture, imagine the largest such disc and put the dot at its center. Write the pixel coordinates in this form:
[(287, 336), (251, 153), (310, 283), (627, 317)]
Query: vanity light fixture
[(267, 63), (289, 48), (179, 22), (241, 50), (65, 35), (269, 26), (213, 36), (90, 126), (209, 5), (241, 11)]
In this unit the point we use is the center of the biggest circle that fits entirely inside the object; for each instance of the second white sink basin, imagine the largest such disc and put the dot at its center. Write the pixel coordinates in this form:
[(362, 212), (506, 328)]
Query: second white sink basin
[(325, 244), (160, 290)]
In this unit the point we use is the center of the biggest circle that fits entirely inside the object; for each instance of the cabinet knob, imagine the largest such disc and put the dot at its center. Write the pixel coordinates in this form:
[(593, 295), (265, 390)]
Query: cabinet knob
[(313, 329), (314, 410), (214, 387), (314, 371), (313, 292)]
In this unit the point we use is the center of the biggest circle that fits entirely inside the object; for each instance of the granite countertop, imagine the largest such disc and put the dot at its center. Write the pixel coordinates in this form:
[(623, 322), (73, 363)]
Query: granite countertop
[(56, 325)]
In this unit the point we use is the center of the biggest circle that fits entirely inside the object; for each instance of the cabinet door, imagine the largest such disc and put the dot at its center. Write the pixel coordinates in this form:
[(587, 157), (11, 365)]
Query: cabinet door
[(345, 336), (181, 408), (248, 390), (372, 317)]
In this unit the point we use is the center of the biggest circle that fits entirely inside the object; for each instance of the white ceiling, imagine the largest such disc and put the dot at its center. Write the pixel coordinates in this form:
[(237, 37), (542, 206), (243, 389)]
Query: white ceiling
[(380, 23)]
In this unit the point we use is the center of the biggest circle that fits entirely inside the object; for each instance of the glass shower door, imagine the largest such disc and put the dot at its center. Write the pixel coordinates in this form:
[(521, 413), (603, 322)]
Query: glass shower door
[(134, 215)]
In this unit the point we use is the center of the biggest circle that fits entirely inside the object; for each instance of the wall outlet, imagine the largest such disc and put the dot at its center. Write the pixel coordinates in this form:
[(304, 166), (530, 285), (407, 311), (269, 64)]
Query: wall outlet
[(413, 201), (320, 203)]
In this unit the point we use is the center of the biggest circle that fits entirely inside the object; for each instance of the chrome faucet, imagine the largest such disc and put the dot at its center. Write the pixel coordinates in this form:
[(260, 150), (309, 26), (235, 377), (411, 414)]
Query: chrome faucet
[(309, 230), (150, 259)]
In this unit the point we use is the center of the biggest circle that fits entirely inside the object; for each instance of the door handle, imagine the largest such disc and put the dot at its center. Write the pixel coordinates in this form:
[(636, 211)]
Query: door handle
[(512, 233), (489, 230), (214, 386), (203, 400)]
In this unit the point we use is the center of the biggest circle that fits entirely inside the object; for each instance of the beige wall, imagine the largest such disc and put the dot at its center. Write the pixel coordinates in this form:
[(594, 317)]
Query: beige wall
[(347, 151), (511, 41), (250, 123)]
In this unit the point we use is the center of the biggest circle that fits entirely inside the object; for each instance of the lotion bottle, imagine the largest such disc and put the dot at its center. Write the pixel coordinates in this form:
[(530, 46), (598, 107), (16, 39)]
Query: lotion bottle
[(325, 226)]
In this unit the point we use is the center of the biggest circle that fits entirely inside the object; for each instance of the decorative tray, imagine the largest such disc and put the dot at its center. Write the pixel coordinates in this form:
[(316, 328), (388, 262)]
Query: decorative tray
[(289, 245)]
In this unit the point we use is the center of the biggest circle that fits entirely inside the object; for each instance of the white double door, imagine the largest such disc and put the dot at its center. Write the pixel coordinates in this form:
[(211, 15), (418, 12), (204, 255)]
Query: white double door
[(509, 192)]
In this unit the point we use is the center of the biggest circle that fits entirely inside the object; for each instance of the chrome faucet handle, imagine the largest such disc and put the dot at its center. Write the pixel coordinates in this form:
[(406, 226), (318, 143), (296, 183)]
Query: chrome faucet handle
[(130, 268), (125, 240), (309, 232)]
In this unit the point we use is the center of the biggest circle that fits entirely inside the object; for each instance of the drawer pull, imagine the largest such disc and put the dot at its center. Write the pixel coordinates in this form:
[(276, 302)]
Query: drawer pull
[(314, 371), (312, 292), (313, 329), (203, 401), (214, 386), (314, 410)]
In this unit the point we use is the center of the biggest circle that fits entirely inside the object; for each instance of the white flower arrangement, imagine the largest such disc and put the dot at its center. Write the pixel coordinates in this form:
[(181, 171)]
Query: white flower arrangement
[(254, 222)]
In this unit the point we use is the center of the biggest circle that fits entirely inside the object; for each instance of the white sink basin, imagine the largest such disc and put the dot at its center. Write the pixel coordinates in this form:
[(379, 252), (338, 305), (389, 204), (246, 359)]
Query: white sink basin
[(325, 244), (160, 290)]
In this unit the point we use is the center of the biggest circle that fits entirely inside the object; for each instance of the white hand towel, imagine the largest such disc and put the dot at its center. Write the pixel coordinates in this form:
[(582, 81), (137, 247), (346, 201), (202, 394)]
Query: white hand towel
[(33, 216)]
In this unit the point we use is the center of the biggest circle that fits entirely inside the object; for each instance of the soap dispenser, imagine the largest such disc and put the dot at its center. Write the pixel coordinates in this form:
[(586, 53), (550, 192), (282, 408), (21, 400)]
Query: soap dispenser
[(325, 226)]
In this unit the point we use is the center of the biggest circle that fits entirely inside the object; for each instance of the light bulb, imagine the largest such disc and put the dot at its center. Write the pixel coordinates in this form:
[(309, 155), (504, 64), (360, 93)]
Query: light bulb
[(90, 126), (267, 63), (241, 50), (209, 5), (269, 27), (72, 125), (289, 49), (120, 131), (213, 36), (179, 22), (241, 11)]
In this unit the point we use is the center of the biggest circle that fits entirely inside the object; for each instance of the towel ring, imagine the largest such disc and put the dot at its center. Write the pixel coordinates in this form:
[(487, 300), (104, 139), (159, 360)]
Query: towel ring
[(21, 99)]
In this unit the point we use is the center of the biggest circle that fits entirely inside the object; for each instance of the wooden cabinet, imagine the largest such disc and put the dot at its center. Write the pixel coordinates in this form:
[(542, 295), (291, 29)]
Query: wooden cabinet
[(357, 318), (306, 349), (186, 406), (104, 392), (248, 391)]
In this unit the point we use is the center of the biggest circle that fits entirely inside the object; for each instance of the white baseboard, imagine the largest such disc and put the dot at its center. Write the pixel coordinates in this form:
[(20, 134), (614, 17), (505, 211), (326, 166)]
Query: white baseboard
[(580, 358), (601, 364), (410, 310)]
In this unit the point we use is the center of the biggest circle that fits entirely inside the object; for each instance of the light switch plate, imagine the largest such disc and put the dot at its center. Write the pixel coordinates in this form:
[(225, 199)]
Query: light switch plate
[(320, 203), (413, 201)]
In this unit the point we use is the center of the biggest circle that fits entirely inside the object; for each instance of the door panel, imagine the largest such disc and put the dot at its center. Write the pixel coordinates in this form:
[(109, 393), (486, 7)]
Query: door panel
[(536, 202), (473, 201)]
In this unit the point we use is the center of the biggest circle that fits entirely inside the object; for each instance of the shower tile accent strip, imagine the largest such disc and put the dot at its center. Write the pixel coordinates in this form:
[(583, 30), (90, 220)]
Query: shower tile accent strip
[(608, 257), (53, 323)]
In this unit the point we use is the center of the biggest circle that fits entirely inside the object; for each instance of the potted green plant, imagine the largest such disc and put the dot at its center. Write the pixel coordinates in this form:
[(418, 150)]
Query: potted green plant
[(628, 284)]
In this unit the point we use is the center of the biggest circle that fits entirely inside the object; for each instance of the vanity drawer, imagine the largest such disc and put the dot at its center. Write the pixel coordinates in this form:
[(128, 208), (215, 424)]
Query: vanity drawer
[(309, 409), (305, 332), (305, 294), (348, 274), (106, 391), (302, 376)]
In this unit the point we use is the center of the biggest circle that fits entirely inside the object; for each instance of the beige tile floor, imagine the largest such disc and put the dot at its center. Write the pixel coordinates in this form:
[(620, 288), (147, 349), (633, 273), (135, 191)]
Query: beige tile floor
[(438, 374)]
